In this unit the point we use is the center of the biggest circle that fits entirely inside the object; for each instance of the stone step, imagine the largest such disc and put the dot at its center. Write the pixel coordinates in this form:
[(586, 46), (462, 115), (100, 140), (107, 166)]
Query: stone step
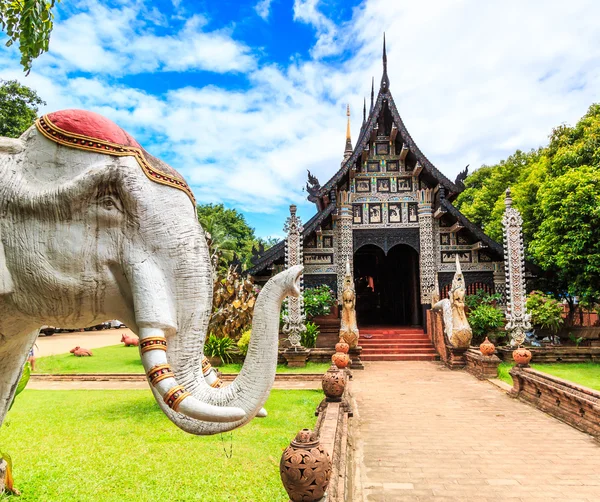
[(392, 339), (399, 357), (397, 350), (405, 345)]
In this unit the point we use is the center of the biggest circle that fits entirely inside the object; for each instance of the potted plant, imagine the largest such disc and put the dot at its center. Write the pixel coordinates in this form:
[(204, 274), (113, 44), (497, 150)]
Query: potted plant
[(218, 349)]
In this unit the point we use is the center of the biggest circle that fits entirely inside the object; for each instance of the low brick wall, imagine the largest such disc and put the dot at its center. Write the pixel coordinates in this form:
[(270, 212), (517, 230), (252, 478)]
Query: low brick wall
[(451, 357), (483, 367), (329, 335), (574, 404), (555, 354), (332, 428)]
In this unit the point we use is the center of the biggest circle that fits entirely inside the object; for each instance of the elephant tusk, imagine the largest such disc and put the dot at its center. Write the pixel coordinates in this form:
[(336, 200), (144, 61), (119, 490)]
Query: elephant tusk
[(153, 346)]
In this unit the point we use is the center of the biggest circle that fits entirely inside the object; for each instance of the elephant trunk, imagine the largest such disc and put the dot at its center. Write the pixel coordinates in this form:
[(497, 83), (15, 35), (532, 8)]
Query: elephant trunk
[(172, 333)]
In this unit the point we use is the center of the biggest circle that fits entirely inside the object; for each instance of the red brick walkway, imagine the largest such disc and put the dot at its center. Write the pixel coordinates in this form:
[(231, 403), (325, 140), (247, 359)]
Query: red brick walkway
[(424, 433)]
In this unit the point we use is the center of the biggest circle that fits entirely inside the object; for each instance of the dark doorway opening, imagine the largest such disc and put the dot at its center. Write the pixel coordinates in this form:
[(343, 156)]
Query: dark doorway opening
[(387, 286)]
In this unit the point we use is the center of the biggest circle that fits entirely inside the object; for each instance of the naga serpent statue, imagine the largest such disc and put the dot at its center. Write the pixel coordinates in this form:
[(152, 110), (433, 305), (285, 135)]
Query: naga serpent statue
[(348, 327), (92, 227), (456, 326)]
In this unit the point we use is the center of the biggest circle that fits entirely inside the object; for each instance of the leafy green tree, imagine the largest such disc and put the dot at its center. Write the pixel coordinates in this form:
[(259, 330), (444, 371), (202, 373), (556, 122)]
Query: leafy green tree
[(18, 108), (231, 236), (567, 241), (557, 190), (29, 23)]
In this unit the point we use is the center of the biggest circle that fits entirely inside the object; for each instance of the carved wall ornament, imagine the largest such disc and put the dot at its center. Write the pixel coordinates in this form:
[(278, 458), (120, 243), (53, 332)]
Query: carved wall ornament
[(518, 320), (456, 326)]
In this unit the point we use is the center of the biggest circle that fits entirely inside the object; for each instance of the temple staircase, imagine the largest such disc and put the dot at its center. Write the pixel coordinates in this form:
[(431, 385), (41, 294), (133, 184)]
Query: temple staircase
[(396, 344)]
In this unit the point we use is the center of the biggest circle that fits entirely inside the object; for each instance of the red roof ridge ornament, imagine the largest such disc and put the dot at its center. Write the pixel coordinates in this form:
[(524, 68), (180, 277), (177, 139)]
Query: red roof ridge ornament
[(85, 130)]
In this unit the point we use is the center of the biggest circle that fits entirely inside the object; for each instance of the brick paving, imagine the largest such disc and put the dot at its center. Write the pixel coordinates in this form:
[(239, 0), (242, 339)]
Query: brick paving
[(424, 433)]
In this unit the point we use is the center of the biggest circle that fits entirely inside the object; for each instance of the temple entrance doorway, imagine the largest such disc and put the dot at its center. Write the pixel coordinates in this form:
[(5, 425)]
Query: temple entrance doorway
[(387, 286)]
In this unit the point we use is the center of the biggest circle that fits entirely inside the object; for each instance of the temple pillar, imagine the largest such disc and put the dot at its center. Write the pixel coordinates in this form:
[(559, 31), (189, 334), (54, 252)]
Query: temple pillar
[(344, 244), (427, 258), (518, 321), (294, 321)]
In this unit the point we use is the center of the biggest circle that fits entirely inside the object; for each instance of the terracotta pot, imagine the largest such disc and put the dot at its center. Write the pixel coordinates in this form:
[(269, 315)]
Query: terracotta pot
[(305, 468), (487, 348), (342, 347), (340, 359), (522, 356), (334, 383)]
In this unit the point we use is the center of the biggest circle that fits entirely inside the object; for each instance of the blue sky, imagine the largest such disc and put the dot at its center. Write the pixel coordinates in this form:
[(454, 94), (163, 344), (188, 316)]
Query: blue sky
[(243, 97)]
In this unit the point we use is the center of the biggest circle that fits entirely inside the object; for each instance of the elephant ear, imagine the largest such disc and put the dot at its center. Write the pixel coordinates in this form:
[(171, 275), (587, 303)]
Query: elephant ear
[(6, 282)]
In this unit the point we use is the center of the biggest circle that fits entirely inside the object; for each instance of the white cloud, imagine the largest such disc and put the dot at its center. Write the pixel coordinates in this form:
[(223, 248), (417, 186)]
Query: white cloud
[(120, 41), (306, 11), (263, 8), (473, 81)]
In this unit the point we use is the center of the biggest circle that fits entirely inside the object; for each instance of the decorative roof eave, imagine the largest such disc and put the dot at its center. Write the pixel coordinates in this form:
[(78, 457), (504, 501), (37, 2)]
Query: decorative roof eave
[(480, 234), (406, 137), (277, 251), (474, 229)]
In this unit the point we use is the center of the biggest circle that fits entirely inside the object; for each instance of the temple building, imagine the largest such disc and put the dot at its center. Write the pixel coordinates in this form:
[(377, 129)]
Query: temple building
[(389, 211)]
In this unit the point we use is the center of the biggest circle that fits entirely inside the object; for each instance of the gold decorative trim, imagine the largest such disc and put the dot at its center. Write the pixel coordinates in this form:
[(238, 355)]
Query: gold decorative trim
[(159, 373), (174, 397), (153, 343), (73, 140)]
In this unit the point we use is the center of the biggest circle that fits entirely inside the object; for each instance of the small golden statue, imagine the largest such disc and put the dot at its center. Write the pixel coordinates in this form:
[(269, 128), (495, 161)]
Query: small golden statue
[(456, 326), (348, 328)]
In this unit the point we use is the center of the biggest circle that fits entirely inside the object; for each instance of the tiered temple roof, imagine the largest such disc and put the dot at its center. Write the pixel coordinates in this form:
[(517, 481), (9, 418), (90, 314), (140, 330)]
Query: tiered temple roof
[(384, 120)]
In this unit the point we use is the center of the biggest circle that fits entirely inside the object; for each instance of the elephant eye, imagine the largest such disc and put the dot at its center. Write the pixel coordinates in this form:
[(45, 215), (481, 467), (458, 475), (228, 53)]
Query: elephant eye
[(108, 203)]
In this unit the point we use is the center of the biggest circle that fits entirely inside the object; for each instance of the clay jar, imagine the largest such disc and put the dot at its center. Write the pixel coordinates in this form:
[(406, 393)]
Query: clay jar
[(340, 359), (487, 348), (305, 468), (342, 347), (522, 356), (334, 383)]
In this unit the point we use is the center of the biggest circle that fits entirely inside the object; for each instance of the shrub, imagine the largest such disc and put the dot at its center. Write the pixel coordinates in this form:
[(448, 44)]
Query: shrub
[(309, 337), (481, 297), (318, 301), (244, 342), (216, 346), (545, 311), (484, 319)]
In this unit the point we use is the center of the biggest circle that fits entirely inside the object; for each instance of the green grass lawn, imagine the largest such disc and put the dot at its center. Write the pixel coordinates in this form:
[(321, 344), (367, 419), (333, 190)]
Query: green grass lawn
[(121, 359), (586, 374), (113, 359), (104, 446)]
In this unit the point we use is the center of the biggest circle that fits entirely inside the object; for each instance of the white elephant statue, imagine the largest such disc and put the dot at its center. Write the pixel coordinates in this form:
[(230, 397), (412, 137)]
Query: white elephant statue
[(92, 228)]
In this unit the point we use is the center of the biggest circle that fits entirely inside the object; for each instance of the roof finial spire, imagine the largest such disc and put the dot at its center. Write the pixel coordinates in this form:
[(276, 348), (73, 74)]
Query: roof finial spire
[(348, 126), (348, 150), (372, 93), (365, 111), (385, 81)]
